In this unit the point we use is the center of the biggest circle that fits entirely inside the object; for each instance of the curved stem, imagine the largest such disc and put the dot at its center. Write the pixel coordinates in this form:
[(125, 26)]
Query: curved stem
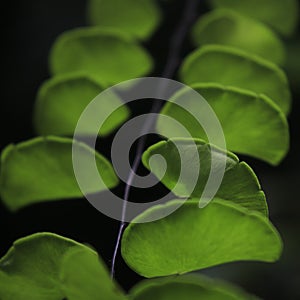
[(168, 72)]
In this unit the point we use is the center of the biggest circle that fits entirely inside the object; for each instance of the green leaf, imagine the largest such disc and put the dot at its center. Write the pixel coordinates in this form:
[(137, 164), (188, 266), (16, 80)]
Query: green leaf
[(137, 18), (31, 267), (226, 27), (191, 287), (281, 15), (61, 101), (252, 124), (230, 66), (239, 183), (41, 169), (84, 276), (19, 288), (46, 266), (192, 238), (105, 54)]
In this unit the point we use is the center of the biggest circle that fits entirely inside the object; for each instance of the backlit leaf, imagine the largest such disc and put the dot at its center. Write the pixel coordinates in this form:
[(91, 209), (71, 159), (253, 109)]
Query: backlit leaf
[(31, 267), (191, 287), (46, 266), (230, 66), (41, 170), (107, 55), (61, 101), (281, 15), (192, 238), (252, 123), (84, 276), (226, 27), (239, 183), (137, 18)]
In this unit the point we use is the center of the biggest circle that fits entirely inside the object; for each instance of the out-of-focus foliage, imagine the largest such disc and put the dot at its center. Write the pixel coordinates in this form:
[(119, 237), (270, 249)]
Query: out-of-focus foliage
[(137, 18), (232, 67), (281, 15), (225, 27), (107, 55), (191, 287), (62, 100)]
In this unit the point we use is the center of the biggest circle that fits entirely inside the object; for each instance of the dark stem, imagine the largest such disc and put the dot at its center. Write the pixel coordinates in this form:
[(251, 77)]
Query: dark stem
[(168, 72)]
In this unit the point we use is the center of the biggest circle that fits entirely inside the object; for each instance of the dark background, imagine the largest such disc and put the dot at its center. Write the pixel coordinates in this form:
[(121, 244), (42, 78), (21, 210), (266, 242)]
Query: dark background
[(29, 29)]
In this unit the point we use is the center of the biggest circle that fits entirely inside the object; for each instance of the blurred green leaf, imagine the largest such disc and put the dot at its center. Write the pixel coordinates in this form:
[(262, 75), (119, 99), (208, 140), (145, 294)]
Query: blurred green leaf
[(41, 169), (191, 287), (137, 18), (84, 276), (31, 267), (230, 66), (107, 55), (19, 288), (61, 101), (252, 124), (239, 183), (192, 238), (226, 27), (281, 15)]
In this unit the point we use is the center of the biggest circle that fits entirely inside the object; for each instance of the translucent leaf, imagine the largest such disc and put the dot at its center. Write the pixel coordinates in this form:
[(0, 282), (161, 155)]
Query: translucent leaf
[(84, 276), (62, 100), (239, 183), (192, 238), (41, 169), (191, 287), (46, 266), (31, 267), (226, 27), (104, 54), (19, 288), (281, 15), (137, 18), (252, 123), (230, 66)]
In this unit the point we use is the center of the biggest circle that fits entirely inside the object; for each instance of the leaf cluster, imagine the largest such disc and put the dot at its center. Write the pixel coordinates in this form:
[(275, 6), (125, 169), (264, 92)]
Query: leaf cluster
[(236, 67)]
